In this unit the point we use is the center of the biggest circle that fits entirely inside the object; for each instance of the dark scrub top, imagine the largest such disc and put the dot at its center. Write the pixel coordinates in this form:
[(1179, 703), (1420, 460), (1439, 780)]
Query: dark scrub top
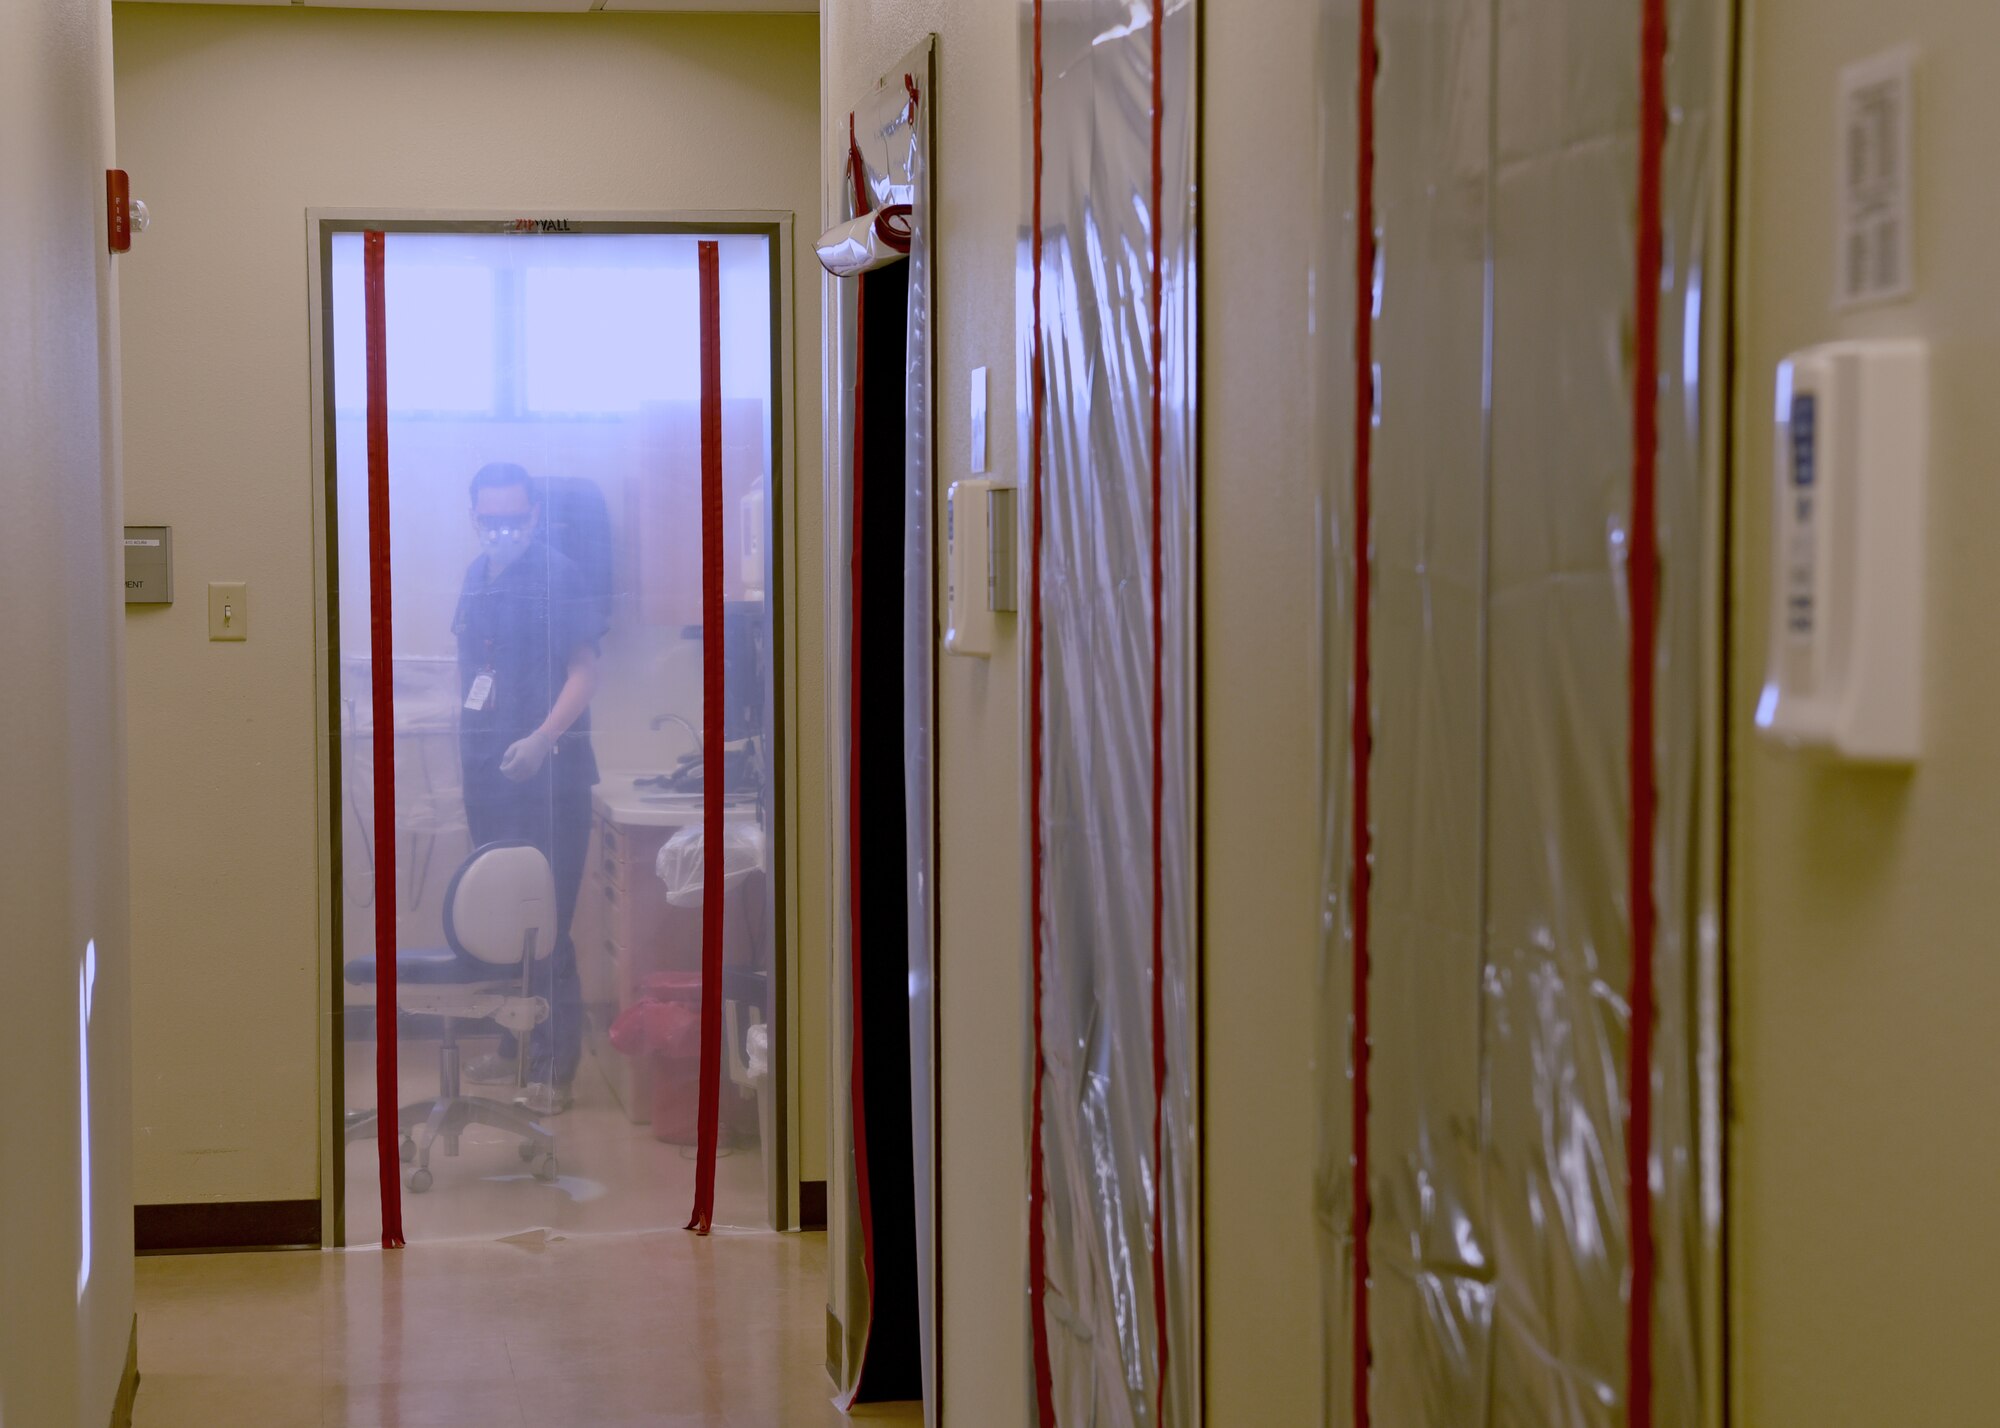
[(522, 628)]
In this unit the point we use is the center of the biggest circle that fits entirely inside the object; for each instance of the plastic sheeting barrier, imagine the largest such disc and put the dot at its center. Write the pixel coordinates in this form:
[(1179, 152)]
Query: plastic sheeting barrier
[(550, 498), (881, 638), (1522, 193), (1113, 1218)]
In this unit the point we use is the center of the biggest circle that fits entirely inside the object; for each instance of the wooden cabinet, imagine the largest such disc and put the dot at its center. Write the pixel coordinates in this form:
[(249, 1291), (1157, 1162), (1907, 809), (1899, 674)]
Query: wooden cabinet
[(625, 930)]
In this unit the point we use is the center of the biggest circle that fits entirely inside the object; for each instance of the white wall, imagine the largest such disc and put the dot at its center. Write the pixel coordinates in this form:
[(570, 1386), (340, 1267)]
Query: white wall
[(238, 120), (62, 800)]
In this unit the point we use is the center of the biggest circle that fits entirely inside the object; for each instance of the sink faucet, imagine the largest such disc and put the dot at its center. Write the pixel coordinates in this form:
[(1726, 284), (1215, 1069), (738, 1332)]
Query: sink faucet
[(661, 720)]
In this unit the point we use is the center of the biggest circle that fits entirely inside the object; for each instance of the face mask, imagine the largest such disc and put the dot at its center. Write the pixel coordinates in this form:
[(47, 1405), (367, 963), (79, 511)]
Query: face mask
[(505, 544)]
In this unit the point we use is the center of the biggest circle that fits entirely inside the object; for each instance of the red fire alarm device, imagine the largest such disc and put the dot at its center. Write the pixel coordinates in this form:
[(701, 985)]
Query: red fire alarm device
[(118, 200)]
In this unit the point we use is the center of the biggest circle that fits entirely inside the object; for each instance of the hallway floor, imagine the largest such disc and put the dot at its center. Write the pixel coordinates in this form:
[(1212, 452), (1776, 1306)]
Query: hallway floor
[(661, 1329)]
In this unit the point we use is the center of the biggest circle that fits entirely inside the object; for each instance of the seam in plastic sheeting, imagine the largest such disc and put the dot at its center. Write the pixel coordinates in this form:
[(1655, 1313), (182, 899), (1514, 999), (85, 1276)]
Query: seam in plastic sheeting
[(1044, 1372), (1113, 1229), (1521, 321), (1156, 381), (913, 125)]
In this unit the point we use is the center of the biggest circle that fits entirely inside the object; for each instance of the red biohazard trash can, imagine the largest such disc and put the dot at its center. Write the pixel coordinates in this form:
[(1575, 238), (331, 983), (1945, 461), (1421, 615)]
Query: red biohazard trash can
[(664, 1026)]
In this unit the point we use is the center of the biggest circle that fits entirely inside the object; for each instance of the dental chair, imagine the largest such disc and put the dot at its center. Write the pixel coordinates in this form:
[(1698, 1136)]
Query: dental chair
[(499, 921)]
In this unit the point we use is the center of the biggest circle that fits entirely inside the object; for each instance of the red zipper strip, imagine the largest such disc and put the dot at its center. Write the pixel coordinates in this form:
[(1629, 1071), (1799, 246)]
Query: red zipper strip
[(712, 740), (1643, 577), (382, 655), (1361, 733)]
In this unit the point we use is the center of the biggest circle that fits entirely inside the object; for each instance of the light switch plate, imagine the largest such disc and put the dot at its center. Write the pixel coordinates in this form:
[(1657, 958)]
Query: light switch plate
[(228, 610), (978, 419)]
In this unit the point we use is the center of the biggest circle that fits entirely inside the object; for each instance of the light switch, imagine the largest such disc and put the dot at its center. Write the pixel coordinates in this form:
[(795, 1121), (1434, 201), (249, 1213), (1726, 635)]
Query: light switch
[(978, 419), (968, 628), (228, 610)]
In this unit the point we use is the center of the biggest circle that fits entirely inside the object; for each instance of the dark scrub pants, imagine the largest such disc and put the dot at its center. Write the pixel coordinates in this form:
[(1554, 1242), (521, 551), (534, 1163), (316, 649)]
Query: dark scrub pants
[(519, 631)]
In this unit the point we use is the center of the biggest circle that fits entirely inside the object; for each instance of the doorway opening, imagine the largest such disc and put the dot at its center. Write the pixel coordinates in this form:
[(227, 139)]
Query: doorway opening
[(553, 418)]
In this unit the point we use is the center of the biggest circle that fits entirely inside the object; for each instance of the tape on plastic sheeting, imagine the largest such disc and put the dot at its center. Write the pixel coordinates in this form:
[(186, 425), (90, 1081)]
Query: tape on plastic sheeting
[(861, 245), (381, 653), (712, 744), (1643, 582)]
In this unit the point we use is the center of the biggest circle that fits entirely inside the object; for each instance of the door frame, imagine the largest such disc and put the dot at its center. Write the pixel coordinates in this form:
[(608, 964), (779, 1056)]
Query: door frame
[(776, 225)]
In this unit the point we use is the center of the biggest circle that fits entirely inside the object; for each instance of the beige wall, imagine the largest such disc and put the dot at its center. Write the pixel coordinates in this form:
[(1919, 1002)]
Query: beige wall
[(1865, 987), (63, 1332), (237, 121), (1260, 710)]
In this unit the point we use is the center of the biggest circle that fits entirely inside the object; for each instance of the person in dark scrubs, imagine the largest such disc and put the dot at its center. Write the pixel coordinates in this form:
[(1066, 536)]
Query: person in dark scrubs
[(528, 645)]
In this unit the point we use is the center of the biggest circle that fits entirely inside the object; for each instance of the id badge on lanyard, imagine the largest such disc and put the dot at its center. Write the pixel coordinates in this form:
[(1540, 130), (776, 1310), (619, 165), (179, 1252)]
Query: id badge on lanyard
[(481, 694)]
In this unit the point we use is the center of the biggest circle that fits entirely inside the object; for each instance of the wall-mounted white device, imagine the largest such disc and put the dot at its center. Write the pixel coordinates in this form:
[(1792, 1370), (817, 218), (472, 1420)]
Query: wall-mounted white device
[(1845, 670), (979, 563)]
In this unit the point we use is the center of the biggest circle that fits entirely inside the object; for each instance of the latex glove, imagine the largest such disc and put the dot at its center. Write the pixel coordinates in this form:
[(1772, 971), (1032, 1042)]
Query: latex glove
[(524, 757)]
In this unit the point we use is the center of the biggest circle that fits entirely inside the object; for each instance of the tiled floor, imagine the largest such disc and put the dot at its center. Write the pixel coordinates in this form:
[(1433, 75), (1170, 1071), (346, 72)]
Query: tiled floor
[(615, 1176), (611, 1331)]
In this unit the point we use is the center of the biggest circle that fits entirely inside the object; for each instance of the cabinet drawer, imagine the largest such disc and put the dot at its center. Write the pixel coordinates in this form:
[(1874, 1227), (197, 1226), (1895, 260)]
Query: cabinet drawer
[(626, 856), (612, 852), (638, 923)]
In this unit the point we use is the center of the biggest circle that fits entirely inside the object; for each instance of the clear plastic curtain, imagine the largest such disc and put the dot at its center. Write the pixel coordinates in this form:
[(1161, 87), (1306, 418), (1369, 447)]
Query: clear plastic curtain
[(547, 635), (1111, 668), (880, 252), (910, 145), (1505, 170)]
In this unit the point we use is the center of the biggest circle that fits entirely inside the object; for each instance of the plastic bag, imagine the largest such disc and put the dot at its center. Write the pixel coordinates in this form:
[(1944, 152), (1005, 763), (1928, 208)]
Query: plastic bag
[(665, 1020), (680, 865)]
